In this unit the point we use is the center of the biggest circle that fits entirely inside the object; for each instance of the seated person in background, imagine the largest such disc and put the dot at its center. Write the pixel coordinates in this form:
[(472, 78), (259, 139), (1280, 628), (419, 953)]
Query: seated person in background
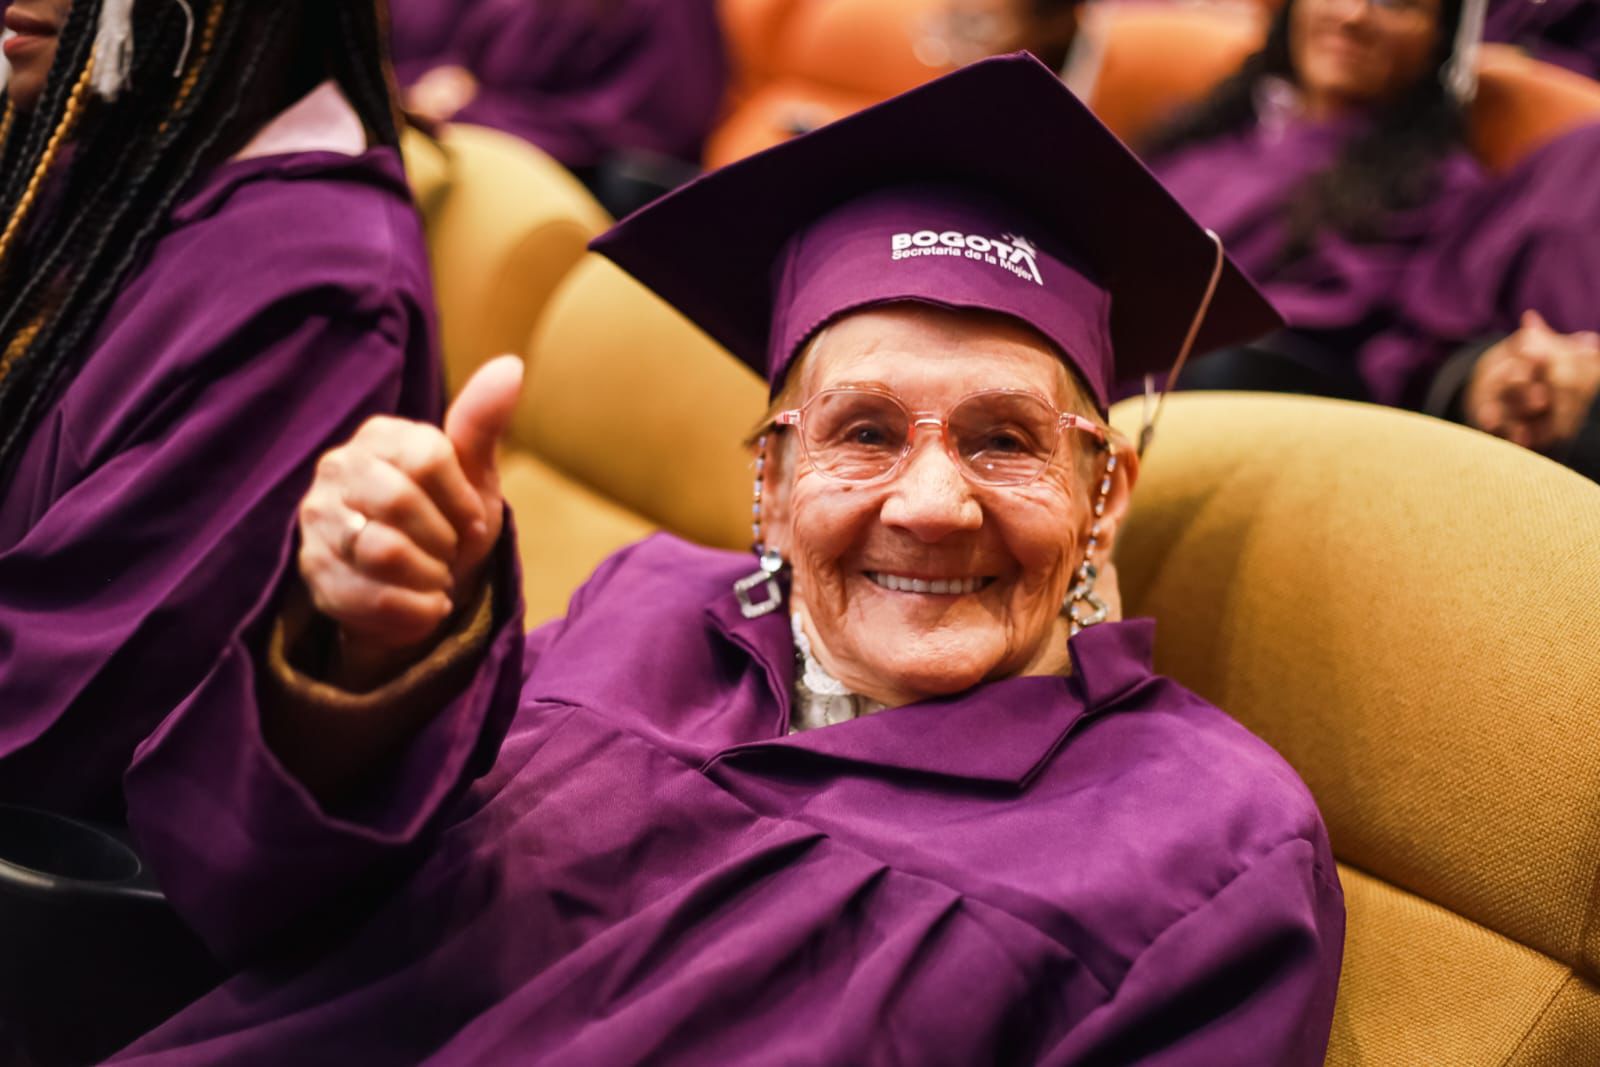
[(1326, 163), (1526, 241), (621, 92), (210, 272), (1563, 32), (905, 793)]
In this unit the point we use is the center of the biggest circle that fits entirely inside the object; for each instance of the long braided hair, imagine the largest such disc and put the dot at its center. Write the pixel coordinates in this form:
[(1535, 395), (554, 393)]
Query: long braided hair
[(1391, 167), (197, 91)]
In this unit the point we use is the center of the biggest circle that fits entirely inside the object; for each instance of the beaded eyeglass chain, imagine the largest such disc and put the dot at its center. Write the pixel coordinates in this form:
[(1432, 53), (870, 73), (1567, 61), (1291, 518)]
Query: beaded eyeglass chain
[(1084, 607), (765, 579)]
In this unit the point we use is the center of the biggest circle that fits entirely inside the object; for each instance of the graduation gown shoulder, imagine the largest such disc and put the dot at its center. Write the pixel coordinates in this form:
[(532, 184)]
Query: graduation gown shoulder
[(286, 300)]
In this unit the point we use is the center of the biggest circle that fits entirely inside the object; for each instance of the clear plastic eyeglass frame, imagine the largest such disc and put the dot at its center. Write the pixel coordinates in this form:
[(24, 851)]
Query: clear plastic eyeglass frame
[(915, 420)]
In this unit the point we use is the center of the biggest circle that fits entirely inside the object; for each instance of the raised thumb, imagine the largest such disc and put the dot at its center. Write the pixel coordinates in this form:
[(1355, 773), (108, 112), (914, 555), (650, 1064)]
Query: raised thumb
[(481, 415)]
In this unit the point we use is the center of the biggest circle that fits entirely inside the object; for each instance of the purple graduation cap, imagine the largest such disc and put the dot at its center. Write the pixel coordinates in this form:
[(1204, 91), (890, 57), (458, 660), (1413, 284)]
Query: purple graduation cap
[(991, 188)]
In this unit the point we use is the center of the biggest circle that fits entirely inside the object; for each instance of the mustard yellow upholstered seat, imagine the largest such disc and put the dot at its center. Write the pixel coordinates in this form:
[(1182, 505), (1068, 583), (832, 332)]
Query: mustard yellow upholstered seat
[(631, 420), (1409, 612), (505, 223)]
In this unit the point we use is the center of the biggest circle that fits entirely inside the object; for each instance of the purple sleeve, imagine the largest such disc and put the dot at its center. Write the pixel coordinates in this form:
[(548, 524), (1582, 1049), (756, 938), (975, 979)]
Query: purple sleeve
[(1522, 241), (1249, 976), (242, 848), (118, 598)]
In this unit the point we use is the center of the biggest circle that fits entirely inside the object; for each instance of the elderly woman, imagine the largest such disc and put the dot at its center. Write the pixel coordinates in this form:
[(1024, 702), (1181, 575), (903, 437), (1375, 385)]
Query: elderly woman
[(901, 793)]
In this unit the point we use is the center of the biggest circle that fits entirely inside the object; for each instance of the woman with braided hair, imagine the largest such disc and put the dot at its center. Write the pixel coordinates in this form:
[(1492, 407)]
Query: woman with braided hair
[(210, 271)]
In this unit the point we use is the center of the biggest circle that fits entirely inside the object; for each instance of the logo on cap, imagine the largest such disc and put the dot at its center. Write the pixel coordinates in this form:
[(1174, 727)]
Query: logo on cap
[(1011, 252)]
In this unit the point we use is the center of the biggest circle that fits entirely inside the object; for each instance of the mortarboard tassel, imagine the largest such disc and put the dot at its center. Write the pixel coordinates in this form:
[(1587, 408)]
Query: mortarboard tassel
[(1461, 74), (113, 49)]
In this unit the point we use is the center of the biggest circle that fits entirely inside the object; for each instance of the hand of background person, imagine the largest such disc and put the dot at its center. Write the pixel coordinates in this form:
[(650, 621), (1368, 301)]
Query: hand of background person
[(1536, 387), (441, 94), (398, 525)]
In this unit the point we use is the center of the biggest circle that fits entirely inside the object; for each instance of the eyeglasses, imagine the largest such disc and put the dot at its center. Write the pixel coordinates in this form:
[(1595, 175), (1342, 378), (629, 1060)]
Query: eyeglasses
[(997, 437)]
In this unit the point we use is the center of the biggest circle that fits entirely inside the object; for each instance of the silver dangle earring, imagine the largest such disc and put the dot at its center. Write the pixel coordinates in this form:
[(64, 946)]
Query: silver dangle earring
[(765, 579), (1084, 608)]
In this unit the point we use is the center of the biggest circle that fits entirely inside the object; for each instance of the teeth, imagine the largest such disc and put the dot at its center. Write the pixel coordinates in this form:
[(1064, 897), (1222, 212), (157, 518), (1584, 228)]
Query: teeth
[(940, 586)]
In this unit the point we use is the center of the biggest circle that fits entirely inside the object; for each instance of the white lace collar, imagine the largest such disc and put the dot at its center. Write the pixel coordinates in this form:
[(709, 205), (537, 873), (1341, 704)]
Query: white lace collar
[(820, 699)]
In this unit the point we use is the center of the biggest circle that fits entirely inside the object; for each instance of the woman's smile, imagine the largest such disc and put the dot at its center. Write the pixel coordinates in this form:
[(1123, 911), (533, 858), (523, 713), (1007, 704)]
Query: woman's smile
[(946, 587), (29, 33)]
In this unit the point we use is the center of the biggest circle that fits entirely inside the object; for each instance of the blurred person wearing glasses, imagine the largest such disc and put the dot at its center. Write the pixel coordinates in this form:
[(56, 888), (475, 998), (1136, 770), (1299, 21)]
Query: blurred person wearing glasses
[(1327, 161), (902, 788), (1335, 164)]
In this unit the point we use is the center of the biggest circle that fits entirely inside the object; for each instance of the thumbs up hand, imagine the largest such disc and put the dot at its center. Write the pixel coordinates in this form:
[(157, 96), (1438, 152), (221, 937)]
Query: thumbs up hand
[(399, 523)]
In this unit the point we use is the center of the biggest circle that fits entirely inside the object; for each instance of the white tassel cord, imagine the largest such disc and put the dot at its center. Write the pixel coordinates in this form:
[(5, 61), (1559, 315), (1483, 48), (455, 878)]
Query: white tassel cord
[(113, 49), (1461, 74)]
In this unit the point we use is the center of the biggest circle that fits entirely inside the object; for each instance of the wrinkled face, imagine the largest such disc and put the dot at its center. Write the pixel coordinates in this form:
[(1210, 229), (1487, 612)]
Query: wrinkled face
[(33, 26), (1358, 53), (1008, 555)]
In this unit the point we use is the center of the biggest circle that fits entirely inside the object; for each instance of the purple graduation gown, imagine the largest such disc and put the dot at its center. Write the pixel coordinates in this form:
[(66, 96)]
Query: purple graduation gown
[(1341, 295), (1098, 868), (421, 33), (287, 299), (1525, 241), (580, 79), (1564, 32)]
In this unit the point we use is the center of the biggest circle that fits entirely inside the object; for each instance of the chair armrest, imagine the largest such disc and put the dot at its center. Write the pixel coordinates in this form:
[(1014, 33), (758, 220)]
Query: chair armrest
[(95, 955)]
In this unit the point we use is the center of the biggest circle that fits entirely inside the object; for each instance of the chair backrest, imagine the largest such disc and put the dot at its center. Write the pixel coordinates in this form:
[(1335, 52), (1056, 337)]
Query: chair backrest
[(505, 223), (1139, 64), (1410, 613), (1524, 104), (631, 419), (824, 61), (872, 46), (752, 30)]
